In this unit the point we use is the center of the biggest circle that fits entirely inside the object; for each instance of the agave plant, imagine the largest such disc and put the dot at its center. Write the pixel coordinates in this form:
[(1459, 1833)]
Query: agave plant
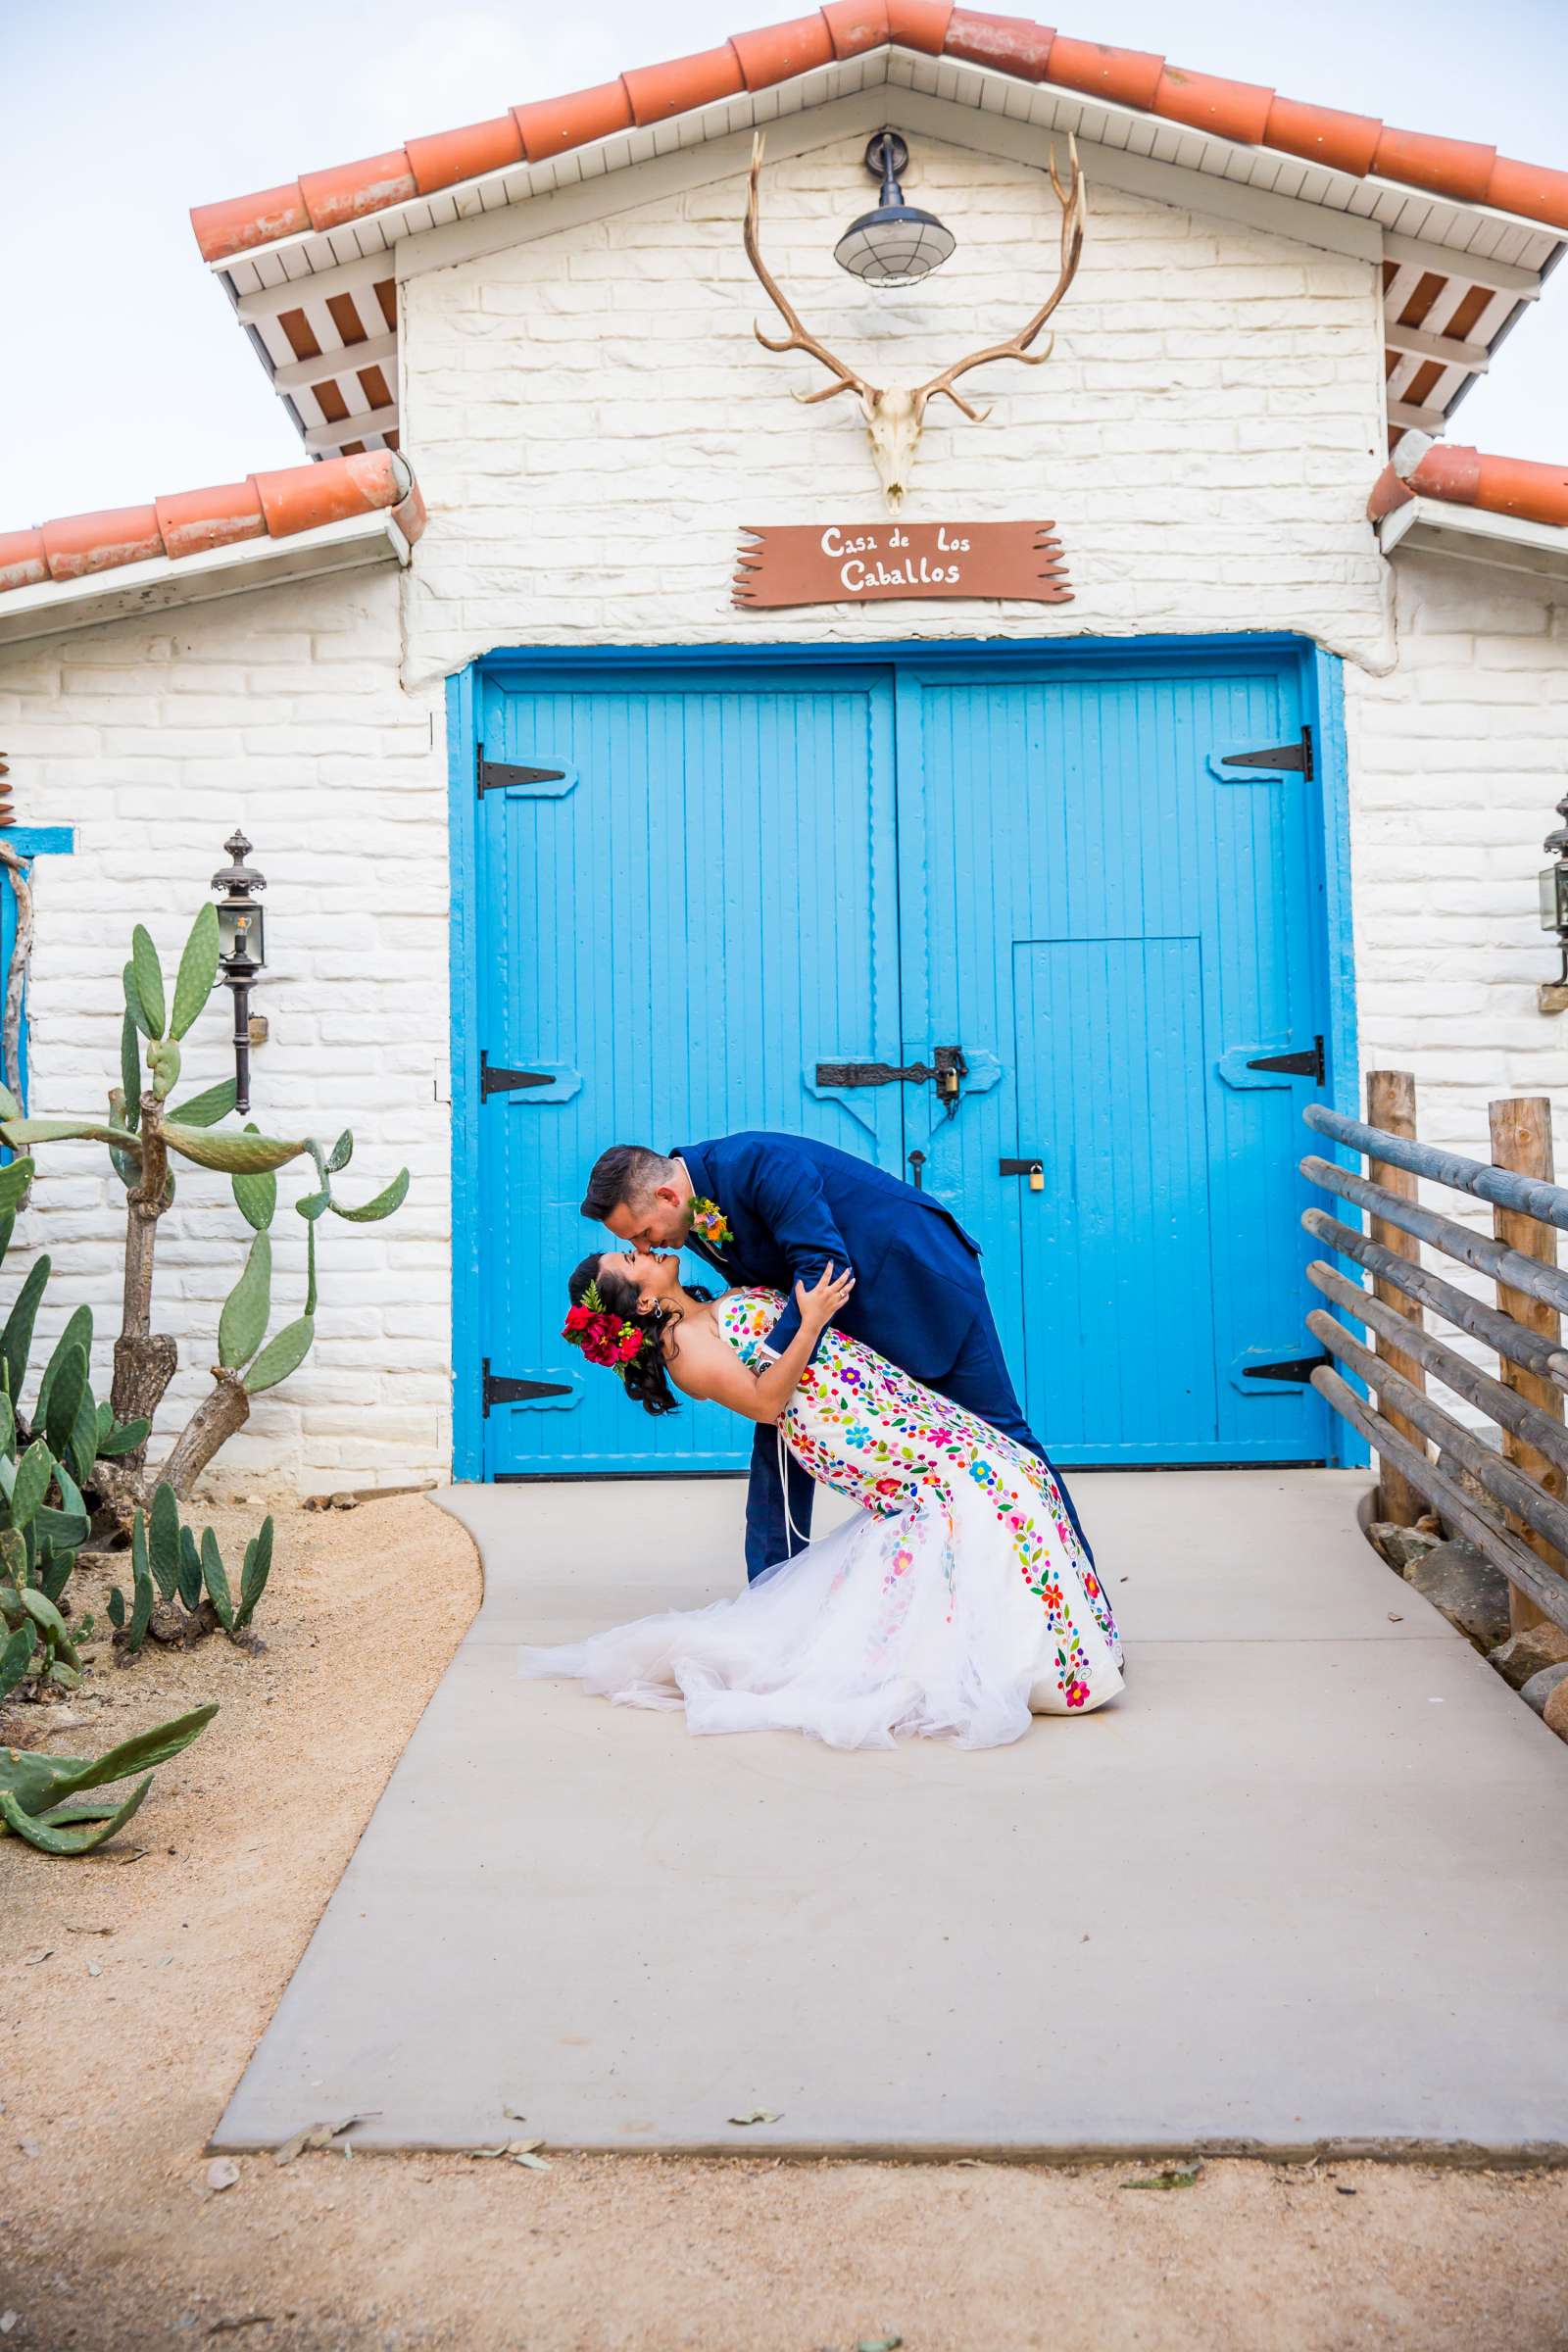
[(168, 1563), (43, 1798), (143, 1139)]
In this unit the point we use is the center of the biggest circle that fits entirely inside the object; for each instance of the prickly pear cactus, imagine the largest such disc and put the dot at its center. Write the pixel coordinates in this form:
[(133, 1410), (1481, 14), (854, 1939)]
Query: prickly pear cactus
[(143, 1139)]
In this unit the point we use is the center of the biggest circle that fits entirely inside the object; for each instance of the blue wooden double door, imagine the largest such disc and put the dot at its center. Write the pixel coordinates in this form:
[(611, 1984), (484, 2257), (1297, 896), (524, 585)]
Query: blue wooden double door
[(719, 897)]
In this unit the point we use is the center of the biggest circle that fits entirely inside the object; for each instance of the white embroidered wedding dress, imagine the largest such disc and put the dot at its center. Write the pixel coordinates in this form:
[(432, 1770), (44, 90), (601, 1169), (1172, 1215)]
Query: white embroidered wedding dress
[(957, 1604)]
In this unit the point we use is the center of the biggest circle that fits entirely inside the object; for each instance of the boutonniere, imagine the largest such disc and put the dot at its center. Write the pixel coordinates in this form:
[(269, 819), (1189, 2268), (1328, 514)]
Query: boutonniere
[(709, 1222)]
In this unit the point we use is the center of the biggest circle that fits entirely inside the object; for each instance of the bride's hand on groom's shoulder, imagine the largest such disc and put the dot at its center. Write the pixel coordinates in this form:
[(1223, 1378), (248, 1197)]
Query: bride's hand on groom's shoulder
[(823, 1300)]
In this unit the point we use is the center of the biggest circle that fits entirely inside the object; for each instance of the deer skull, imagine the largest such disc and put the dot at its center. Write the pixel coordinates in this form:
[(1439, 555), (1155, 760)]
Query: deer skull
[(895, 415)]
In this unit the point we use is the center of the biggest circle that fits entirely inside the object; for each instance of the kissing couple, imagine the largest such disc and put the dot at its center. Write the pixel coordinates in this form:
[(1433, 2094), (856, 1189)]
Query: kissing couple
[(852, 1328)]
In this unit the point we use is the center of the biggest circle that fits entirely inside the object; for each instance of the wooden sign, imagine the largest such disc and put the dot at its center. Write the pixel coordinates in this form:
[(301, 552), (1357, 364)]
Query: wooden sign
[(864, 562)]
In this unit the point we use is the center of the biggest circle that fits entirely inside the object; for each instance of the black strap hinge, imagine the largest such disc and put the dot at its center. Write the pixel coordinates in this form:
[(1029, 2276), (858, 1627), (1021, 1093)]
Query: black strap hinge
[(1298, 1368), (499, 1390), (1284, 755), (494, 775), (507, 1082), (1306, 1064)]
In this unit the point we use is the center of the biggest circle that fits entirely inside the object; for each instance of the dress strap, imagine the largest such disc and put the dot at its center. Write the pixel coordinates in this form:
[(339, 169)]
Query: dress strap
[(794, 1533)]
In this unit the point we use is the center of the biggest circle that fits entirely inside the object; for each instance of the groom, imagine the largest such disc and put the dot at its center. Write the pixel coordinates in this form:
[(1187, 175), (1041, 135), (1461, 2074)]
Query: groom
[(781, 1207)]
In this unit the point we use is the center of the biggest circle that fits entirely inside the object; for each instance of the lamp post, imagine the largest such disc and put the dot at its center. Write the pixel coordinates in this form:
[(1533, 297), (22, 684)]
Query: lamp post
[(896, 244), (241, 949)]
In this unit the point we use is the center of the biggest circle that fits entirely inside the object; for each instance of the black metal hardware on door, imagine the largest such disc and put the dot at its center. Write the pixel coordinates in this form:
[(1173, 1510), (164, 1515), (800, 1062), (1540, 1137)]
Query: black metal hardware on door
[(496, 1389), (1307, 1064), (1034, 1169), (917, 1163), (1285, 755), (507, 1082), (1299, 1368), (495, 775), (947, 1069)]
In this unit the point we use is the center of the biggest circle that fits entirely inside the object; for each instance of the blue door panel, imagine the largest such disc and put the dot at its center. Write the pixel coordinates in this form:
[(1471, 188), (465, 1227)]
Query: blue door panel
[(743, 869), (1118, 1247), (676, 931), (1082, 806)]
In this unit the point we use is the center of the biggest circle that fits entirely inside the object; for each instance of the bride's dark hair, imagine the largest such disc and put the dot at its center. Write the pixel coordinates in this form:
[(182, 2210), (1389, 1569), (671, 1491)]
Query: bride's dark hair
[(645, 1379)]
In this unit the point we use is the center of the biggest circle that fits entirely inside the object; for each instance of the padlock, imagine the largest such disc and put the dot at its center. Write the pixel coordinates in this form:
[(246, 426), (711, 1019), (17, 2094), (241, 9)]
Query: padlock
[(1037, 1178)]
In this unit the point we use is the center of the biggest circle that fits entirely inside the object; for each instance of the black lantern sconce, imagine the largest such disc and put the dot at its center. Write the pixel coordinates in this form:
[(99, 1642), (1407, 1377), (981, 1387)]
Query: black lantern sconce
[(896, 244), (241, 949)]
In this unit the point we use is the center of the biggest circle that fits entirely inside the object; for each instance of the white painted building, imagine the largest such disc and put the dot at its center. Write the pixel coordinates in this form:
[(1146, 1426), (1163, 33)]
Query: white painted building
[(766, 838)]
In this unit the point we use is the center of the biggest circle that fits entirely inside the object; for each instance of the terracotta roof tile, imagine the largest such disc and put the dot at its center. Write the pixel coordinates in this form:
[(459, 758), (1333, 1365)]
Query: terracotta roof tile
[(1465, 477), (656, 92), (1231, 109), (1456, 169), (348, 191), (855, 26), (781, 51), (551, 125), (453, 155), (1129, 77), (1006, 44), (277, 505)]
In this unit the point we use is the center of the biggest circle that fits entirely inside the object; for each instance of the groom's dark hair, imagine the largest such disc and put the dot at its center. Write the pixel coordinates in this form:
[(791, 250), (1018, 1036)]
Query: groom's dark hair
[(625, 1173)]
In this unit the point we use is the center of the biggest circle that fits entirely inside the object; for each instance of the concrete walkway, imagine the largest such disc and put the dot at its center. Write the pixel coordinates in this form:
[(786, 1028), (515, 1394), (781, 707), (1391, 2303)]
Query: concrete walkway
[(1305, 1884)]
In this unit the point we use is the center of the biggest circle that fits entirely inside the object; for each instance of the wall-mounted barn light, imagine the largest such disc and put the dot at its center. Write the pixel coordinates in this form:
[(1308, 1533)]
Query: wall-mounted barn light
[(896, 244)]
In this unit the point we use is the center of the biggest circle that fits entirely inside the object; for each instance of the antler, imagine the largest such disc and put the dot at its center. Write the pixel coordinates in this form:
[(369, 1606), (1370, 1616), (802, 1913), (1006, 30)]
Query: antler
[(1071, 200), (799, 337)]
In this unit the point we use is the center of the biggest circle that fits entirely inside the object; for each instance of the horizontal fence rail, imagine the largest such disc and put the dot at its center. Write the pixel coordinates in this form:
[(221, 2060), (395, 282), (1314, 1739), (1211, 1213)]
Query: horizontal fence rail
[(1500, 1486), (1530, 1197), (1494, 1330)]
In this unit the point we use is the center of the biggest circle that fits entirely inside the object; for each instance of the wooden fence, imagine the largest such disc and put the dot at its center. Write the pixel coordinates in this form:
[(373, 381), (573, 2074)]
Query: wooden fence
[(1500, 1488)]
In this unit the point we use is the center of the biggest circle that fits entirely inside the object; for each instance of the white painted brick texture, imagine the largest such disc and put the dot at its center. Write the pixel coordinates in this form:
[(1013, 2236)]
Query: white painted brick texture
[(1456, 757), (281, 711), (593, 419)]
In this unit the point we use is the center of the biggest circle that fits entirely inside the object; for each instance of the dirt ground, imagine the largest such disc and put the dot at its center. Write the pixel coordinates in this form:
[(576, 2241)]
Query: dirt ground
[(139, 1980)]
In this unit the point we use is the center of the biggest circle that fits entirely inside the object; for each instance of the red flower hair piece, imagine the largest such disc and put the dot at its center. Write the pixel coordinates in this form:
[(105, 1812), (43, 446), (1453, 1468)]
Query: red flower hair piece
[(605, 1338)]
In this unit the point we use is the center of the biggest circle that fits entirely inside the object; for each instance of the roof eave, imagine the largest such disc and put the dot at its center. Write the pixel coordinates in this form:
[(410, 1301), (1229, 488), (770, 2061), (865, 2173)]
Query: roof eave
[(55, 606), (1432, 527)]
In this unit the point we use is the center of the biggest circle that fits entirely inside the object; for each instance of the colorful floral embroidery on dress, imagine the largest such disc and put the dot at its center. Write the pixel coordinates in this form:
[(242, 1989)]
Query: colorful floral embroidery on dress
[(869, 1431)]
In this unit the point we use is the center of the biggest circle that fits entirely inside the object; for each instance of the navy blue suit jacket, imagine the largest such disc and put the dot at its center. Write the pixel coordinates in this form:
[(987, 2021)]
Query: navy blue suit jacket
[(794, 1205)]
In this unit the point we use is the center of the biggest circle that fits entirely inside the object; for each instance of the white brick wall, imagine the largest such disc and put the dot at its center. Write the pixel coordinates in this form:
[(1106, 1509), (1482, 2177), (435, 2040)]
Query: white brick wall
[(281, 711), (593, 419), (1456, 757)]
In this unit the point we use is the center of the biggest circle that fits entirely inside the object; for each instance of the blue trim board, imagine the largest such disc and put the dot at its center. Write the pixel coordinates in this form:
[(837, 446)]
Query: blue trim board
[(1325, 691), (468, 1429), (1322, 703), (28, 841)]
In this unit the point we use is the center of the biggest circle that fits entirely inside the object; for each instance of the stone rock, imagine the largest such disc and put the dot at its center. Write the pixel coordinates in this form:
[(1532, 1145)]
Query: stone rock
[(1465, 1588), (1541, 1686), (1555, 1712), (1399, 1545), (1524, 1654)]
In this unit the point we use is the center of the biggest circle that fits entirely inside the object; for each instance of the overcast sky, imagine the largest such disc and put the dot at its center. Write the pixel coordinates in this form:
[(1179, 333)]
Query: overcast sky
[(123, 373)]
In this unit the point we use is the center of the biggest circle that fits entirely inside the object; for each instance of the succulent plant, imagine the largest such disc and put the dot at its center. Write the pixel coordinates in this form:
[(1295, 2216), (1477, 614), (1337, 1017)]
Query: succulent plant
[(43, 1800), (168, 1560)]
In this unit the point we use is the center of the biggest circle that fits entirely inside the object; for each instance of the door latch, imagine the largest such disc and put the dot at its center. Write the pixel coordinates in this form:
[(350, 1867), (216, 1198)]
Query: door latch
[(1034, 1169), (947, 1068)]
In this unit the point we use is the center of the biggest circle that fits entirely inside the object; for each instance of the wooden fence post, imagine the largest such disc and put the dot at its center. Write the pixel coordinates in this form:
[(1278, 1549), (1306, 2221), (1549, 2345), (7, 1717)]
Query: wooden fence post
[(1391, 1106), (1521, 1139)]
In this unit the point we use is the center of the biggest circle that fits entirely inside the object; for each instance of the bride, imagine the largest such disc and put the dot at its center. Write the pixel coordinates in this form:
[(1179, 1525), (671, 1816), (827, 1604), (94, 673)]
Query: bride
[(960, 1602)]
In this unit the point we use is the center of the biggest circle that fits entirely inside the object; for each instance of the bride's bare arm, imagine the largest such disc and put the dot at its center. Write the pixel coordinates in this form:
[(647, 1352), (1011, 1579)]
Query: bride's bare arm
[(705, 1367)]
